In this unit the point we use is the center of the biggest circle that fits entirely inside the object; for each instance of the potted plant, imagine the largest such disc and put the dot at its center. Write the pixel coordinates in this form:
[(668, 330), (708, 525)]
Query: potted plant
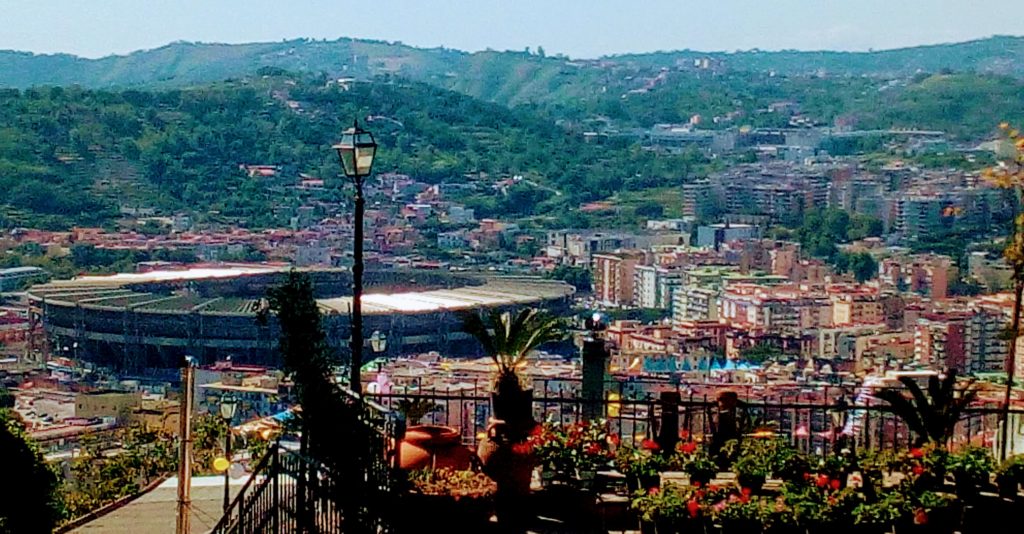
[(589, 449), (739, 513), (754, 463), (509, 340), (926, 466), (931, 415), (695, 461), (661, 511), (880, 515), (642, 465), (970, 468), (547, 443), (1010, 475), (464, 499), (932, 513)]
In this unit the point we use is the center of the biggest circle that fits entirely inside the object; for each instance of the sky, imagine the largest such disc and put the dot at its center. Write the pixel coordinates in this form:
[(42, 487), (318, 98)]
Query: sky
[(578, 28)]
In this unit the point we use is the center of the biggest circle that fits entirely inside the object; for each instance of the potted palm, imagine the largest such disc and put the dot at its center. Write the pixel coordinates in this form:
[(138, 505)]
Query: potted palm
[(509, 340), (933, 414)]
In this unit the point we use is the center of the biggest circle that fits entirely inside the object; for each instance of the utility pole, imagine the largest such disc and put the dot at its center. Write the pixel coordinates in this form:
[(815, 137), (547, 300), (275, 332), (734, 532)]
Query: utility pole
[(185, 449)]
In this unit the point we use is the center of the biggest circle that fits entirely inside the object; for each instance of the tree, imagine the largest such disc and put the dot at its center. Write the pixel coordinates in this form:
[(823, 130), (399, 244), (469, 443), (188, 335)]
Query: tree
[(578, 277), (1010, 175), (30, 501), (931, 416), (306, 357)]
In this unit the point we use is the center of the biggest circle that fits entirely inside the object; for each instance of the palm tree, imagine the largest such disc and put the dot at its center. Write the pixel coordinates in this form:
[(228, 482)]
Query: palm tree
[(932, 416), (509, 339)]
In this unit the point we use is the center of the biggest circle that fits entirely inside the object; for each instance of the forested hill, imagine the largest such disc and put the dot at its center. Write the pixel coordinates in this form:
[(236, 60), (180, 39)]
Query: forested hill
[(504, 77), (74, 156)]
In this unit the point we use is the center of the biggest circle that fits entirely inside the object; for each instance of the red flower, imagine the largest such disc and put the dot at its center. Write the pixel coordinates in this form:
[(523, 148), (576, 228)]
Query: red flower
[(650, 444), (684, 435), (745, 492), (537, 430), (688, 447), (918, 470), (593, 448), (653, 491), (916, 452), (821, 481), (693, 507), (834, 484), (614, 439), (807, 476), (920, 517), (522, 448)]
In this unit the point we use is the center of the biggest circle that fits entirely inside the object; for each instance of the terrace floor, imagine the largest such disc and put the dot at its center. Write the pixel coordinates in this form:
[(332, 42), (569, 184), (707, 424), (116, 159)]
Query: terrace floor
[(155, 512)]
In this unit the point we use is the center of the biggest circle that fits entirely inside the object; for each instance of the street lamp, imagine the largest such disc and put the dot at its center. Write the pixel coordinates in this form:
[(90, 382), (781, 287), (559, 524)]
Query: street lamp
[(355, 153), (378, 342), (228, 406)]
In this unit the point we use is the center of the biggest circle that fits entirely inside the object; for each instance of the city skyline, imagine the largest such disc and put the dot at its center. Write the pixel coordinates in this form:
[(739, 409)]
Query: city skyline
[(579, 30)]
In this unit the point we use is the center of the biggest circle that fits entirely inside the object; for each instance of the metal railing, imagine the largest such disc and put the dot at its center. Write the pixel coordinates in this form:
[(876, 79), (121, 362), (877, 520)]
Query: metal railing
[(810, 418), (290, 492)]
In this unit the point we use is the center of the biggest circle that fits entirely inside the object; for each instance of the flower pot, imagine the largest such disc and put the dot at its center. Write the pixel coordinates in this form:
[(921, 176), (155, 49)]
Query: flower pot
[(585, 479), (433, 446), (1007, 487), (510, 464), (547, 478), (967, 487), (463, 515), (701, 478), (751, 481), (515, 409), (636, 483), (741, 526)]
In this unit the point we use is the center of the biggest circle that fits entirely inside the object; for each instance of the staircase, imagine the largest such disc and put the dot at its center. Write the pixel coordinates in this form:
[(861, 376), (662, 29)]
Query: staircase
[(289, 492)]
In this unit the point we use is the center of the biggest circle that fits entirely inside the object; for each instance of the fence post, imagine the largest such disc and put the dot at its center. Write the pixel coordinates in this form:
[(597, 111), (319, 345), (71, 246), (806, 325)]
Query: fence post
[(275, 467), (595, 360), (668, 434)]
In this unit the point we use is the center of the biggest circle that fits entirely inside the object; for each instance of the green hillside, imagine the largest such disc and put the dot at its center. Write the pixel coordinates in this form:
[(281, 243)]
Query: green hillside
[(73, 156)]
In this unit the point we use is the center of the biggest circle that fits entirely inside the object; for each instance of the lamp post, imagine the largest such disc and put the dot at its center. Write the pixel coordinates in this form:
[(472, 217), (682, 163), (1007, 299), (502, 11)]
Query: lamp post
[(378, 342), (228, 406), (355, 153)]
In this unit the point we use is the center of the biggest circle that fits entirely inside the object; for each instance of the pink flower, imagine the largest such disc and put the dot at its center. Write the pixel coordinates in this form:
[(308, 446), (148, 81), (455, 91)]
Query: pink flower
[(653, 491)]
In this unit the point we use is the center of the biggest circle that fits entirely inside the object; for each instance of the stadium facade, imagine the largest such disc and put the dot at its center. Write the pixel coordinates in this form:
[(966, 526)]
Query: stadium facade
[(139, 321)]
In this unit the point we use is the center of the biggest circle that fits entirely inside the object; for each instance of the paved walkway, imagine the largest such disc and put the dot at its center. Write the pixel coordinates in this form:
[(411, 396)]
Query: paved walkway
[(156, 511)]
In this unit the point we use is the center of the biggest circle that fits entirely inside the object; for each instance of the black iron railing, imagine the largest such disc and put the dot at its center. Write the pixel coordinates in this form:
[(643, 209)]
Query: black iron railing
[(810, 418), (291, 492)]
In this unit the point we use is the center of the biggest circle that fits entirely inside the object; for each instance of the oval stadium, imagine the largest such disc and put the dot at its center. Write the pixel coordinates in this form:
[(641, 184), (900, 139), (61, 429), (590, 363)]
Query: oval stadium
[(141, 321)]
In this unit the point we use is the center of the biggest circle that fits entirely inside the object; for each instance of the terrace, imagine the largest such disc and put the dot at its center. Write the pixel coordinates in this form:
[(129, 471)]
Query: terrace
[(843, 437)]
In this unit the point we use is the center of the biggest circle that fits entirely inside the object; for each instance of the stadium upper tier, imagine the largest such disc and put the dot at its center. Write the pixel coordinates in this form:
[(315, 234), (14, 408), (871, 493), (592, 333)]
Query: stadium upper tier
[(152, 319)]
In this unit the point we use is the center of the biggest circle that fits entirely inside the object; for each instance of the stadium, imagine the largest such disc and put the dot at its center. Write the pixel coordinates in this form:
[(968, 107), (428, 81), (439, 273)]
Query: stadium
[(140, 321)]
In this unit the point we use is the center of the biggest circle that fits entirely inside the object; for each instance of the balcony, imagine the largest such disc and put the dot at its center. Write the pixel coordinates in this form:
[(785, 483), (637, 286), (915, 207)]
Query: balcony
[(290, 492)]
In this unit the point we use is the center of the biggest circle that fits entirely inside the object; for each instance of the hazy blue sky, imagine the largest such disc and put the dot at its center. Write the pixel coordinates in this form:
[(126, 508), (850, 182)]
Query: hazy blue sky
[(580, 28)]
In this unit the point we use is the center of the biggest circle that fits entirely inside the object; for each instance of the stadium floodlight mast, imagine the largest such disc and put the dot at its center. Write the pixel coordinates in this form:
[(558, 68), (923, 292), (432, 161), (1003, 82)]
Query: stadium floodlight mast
[(356, 151)]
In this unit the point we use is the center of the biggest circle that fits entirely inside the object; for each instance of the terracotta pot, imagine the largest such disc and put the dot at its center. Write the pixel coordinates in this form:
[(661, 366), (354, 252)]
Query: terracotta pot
[(433, 446), (510, 464)]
